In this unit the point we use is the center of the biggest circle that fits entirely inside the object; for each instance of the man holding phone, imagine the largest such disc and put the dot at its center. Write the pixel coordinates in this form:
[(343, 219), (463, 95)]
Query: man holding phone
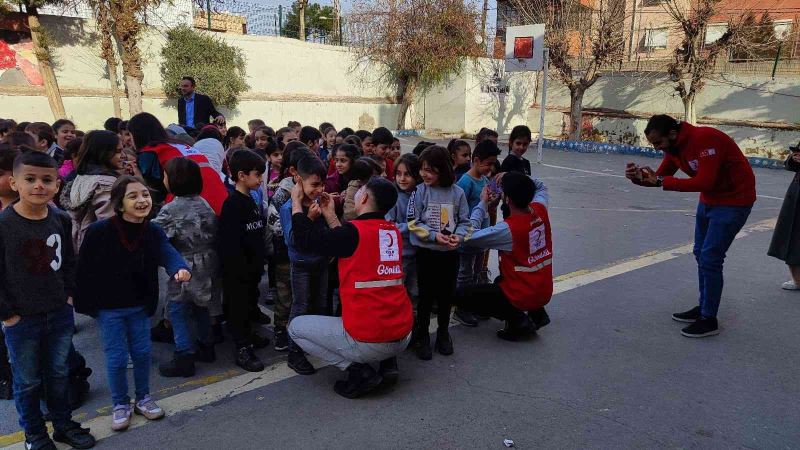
[(717, 169)]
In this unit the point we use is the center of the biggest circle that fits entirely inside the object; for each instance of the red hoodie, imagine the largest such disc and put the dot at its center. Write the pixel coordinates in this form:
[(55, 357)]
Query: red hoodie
[(716, 166)]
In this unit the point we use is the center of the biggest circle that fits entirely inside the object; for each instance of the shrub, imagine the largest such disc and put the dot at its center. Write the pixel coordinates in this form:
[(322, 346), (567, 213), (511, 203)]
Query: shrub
[(218, 68)]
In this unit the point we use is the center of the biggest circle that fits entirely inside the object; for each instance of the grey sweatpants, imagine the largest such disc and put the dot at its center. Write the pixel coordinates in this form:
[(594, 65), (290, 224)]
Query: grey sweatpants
[(326, 338)]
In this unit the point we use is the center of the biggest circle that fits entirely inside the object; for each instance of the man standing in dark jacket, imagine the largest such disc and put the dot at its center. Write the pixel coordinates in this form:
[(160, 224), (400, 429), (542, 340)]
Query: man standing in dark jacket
[(195, 109)]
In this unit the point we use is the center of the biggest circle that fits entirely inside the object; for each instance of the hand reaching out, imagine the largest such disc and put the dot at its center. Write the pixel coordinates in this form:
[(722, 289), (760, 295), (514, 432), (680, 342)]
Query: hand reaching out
[(183, 276)]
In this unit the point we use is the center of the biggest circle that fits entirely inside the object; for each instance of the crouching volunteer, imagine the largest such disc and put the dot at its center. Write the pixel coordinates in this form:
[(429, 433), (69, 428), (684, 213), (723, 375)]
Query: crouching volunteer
[(525, 284), (376, 317)]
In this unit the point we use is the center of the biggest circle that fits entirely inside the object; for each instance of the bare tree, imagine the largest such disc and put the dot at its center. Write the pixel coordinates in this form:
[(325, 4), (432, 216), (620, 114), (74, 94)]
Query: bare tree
[(571, 28), (417, 43), (694, 61)]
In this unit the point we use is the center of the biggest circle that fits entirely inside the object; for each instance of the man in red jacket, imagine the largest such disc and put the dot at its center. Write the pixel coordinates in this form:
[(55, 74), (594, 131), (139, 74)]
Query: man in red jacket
[(376, 317), (717, 169)]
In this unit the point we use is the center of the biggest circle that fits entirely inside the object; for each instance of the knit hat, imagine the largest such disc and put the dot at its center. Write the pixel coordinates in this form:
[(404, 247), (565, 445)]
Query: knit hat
[(175, 130)]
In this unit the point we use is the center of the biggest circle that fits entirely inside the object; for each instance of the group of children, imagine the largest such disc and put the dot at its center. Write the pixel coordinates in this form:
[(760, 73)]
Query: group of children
[(213, 208)]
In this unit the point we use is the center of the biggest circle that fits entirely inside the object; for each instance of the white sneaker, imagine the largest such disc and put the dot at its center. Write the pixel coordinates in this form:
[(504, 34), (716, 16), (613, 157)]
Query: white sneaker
[(148, 408), (790, 286), (121, 418)]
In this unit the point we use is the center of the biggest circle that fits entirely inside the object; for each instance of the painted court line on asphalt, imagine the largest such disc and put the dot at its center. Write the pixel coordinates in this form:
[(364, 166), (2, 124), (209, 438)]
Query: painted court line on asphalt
[(240, 384), (593, 172), (582, 278)]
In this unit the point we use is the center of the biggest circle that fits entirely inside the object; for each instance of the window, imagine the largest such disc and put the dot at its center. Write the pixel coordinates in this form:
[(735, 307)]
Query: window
[(715, 31), (782, 28), (656, 38)]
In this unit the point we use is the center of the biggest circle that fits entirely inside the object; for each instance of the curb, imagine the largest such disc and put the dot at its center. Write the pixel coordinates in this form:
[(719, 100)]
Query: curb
[(624, 149)]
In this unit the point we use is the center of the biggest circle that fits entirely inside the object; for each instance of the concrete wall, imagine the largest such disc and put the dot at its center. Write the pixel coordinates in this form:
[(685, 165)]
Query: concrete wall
[(732, 98), (288, 79), (472, 100)]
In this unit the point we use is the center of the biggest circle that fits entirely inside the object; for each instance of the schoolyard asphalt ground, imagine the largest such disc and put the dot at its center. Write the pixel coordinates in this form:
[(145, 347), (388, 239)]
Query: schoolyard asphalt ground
[(611, 371)]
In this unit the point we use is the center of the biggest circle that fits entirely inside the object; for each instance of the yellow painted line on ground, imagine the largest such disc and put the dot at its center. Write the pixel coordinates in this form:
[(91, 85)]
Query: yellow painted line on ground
[(571, 281), (228, 384)]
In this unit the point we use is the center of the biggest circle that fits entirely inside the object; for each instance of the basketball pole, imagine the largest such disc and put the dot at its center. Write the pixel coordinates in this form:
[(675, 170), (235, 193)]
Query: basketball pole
[(545, 63)]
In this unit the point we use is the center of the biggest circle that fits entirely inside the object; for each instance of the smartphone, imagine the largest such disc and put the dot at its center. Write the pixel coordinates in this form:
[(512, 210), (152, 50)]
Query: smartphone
[(495, 188)]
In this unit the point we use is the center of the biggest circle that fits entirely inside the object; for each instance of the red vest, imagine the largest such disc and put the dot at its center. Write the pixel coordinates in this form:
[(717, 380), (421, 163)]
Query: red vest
[(527, 271), (375, 305), (214, 191)]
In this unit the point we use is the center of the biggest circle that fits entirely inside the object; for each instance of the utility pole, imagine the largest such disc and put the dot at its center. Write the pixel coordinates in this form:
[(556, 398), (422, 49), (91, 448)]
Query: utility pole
[(208, 13)]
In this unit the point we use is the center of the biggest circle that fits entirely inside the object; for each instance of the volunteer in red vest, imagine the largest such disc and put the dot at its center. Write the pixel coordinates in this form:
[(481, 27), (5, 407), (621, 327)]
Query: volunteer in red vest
[(155, 149), (720, 172), (376, 317), (525, 246)]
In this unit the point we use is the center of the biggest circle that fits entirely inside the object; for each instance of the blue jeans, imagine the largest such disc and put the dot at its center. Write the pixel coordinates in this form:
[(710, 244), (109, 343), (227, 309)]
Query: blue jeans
[(715, 229), (190, 324), (38, 347), (309, 288), (126, 331)]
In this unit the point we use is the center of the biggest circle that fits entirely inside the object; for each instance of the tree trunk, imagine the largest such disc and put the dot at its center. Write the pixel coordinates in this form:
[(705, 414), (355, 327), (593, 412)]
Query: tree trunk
[(45, 64), (107, 53), (302, 18), (127, 29), (483, 23), (409, 88), (689, 113), (134, 87), (575, 112)]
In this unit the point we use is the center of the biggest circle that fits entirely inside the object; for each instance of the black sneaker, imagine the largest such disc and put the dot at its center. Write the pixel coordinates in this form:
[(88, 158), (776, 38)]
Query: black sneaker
[(361, 379), (422, 346), (539, 318), (205, 353), (246, 359), (281, 339), (179, 366), (6, 390), (74, 436), (299, 363), (259, 317), (465, 317), (444, 344), (689, 316), (39, 442), (518, 330), (389, 371), (258, 341), (702, 327), (162, 333)]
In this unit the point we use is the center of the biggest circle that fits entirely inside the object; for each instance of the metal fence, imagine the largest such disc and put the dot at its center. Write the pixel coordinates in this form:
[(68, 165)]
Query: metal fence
[(241, 17)]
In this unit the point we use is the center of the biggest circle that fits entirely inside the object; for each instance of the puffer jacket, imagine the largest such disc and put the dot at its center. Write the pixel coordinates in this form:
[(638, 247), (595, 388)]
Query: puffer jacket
[(87, 199)]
